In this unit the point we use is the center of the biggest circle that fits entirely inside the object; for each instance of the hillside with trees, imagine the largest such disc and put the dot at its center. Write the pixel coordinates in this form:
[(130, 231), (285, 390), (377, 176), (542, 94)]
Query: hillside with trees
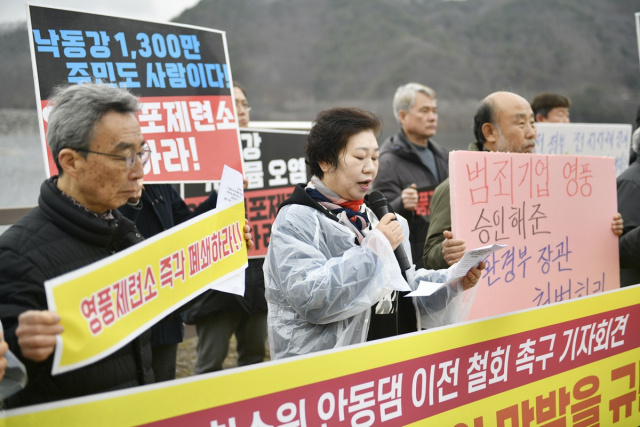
[(298, 56)]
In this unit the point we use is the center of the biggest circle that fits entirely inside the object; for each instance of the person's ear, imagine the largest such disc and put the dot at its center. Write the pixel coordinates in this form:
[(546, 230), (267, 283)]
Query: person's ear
[(401, 116), (326, 167), (490, 133), (540, 118), (70, 161)]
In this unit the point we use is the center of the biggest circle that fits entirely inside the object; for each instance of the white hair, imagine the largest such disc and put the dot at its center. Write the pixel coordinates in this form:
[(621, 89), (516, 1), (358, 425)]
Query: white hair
[(76, 111), (405, 97)]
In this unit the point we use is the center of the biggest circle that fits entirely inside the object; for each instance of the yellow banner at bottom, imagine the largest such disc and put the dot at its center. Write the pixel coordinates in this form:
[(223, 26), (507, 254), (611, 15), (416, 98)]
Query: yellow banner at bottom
[(573, 363), (105, 305)]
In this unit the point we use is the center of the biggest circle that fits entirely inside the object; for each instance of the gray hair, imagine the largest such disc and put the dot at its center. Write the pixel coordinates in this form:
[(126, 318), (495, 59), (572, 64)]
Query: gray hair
[(77, 109), (635, 141), (405, 97)]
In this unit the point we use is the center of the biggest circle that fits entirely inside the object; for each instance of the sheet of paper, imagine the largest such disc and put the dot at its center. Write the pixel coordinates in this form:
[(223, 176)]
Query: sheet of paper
[(233, 285), (470, 259), (425, 289), (231, 191)]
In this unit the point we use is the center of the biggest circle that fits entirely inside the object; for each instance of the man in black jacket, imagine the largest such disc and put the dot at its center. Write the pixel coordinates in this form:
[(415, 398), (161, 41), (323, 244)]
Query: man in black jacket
[(411, 161), (99, 151), (628, 184), (159, 208)]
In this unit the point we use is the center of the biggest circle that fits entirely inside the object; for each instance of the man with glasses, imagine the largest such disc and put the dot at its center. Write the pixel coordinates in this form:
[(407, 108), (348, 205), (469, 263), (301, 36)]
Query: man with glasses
[(242, 106), (100, 152)]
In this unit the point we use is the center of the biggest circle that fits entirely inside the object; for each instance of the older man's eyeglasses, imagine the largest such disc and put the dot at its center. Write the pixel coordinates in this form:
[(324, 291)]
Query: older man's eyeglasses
[(244, 105), (129, 159)]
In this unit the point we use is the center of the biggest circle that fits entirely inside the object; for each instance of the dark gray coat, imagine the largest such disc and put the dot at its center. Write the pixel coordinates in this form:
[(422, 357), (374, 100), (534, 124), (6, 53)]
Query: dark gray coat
[(400, 165), (629, 207)]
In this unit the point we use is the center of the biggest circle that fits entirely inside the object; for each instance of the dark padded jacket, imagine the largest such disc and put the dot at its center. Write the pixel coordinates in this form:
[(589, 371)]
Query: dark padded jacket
[(55, 238), (628, 184), (401, 166)]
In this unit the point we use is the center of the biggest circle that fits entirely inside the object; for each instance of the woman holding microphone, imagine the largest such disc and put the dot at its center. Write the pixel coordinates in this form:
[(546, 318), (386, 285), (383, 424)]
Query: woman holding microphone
[(330, 259)]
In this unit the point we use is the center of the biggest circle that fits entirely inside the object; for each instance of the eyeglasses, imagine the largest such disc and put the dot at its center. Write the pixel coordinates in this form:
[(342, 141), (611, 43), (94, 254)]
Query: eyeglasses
[(129, 159), (244, 105)]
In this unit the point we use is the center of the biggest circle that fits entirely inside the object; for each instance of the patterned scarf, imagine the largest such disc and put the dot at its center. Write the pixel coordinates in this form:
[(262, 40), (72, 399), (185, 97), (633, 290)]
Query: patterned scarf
[(106, 216), (358, 222), (332, 201)]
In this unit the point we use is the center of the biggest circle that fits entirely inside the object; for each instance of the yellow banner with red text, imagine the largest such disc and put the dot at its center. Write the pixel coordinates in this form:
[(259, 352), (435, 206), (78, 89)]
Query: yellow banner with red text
[(574, 363), (105, 305)]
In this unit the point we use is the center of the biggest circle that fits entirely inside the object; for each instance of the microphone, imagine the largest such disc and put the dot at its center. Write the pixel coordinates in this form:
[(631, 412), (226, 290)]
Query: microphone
[(380, 207)]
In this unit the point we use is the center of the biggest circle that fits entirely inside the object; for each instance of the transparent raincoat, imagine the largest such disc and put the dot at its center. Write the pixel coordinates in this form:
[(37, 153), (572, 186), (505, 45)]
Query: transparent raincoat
[(320, 285)]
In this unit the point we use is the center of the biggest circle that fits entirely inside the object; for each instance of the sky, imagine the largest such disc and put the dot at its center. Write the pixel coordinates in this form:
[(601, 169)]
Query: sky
[(150, 10)]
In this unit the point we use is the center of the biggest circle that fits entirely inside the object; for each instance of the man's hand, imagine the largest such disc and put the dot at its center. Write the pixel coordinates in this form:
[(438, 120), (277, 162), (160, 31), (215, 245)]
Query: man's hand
[(472, 277), (391, 230), (247, 234), (452, 249), (410, 197), (37, 332), (245, 183), (616, 225), (3, 360)]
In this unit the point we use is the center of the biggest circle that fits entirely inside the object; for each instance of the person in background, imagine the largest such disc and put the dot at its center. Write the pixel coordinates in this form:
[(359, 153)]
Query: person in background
[(331, 259), (504, 122), (242, 106), (632, 154), (628, 184), (411, 160), (551, 107), (218, 315), (158, 208)]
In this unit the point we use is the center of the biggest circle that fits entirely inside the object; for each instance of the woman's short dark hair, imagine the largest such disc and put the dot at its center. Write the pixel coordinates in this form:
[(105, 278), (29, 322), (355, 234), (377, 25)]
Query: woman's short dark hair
[(331, 131)]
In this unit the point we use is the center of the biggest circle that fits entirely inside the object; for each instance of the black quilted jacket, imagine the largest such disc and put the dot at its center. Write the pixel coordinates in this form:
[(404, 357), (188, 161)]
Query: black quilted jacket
[(53, 239)]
